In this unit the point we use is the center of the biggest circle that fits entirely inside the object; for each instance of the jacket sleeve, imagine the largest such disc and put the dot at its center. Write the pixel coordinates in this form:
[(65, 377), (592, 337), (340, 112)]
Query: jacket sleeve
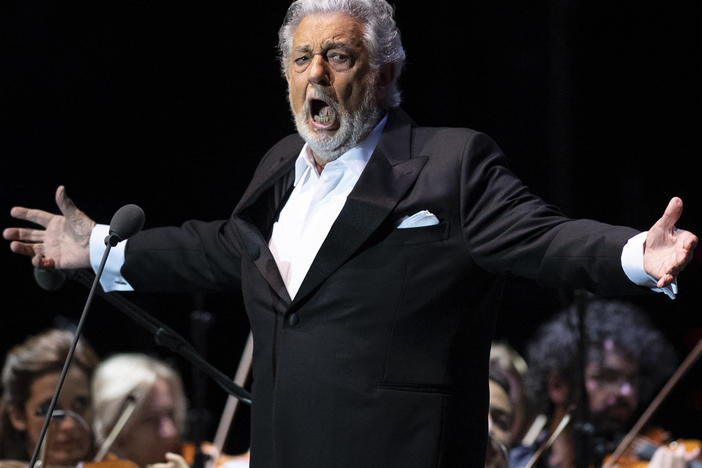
[(196, 256), (510, 230)]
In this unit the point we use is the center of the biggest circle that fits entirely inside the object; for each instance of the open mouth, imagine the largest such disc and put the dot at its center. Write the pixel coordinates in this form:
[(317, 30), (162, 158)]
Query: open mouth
[(322, 113)]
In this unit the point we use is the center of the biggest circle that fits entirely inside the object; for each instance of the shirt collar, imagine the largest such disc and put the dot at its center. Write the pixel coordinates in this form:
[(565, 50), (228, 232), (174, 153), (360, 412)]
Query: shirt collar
[(354, 159)]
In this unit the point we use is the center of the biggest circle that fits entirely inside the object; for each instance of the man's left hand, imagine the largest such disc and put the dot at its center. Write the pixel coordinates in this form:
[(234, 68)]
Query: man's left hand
[(668, 249)]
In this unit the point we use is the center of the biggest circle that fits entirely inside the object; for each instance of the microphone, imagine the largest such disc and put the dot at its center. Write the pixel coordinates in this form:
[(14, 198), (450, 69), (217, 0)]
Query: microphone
[(49, 279), (126, 222)]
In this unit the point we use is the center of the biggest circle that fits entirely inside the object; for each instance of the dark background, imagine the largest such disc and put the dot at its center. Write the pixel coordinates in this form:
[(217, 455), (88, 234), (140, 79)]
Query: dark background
[(171, 105)]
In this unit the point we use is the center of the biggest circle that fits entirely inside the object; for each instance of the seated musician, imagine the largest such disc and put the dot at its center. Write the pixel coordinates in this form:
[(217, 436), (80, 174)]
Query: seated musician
[(625, 361), (500, 419), (145, 397), (513, 367), (29, 377)]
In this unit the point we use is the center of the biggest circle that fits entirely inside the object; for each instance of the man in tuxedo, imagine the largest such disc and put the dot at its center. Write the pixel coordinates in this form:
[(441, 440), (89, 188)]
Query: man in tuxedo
[(369, 253)]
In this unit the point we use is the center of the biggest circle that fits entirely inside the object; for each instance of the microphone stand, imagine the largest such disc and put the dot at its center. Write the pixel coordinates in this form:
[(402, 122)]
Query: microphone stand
[(69, 356), (167, 337)]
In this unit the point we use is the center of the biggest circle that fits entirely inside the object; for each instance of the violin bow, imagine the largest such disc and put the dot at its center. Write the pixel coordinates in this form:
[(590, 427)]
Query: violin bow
[(562, 424), (131, 405), (662, 395), (230, 407)]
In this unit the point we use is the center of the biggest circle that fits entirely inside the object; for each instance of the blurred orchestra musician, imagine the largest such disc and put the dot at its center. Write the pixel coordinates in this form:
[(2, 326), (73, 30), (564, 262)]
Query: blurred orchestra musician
[(500, 419), (144, 397), (29, 378), (620, 362), (513, 367)]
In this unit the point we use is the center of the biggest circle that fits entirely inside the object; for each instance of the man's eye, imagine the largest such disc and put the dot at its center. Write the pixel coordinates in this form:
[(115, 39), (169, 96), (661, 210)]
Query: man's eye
[(339, 58), (301, 60)]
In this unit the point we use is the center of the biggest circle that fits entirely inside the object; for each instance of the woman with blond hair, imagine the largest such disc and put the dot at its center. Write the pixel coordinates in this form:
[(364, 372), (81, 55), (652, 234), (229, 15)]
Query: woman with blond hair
[(139, 408)]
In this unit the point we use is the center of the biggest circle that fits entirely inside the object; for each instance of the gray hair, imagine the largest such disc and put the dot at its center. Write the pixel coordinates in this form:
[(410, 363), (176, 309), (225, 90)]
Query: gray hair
[(382, 36), (131, 375)]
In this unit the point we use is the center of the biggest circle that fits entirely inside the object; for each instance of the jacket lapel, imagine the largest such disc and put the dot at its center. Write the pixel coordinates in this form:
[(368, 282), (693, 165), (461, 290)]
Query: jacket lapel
[(389, 174), (257, 209)]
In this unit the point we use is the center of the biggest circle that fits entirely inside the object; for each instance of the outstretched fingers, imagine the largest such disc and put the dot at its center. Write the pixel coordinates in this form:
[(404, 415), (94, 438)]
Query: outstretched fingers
[(40, 217), (23, 234), (22, 248)]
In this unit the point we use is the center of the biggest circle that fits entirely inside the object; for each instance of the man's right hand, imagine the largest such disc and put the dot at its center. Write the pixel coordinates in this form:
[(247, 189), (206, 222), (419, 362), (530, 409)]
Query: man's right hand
[(63, 243)]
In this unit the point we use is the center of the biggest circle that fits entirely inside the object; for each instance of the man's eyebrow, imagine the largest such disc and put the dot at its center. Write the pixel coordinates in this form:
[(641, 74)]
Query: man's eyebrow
[(306, 49), (336, 45)]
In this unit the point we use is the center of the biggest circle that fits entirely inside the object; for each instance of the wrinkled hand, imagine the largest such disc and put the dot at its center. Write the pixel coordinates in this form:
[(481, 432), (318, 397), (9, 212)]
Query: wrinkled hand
[(668, 249), (677, 457), (64, 241), (173, 460)]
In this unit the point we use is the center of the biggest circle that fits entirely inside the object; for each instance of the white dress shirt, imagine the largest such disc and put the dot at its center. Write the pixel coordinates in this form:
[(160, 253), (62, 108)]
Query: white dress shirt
[(313, 206)]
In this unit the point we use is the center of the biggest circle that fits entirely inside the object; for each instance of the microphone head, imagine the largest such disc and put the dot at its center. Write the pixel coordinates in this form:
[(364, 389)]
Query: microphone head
[(126, 222), (49, 279)]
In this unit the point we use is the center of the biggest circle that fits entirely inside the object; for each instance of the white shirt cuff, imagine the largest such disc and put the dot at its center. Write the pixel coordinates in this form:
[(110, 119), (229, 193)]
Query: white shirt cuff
[(632, 263), (111, 279)]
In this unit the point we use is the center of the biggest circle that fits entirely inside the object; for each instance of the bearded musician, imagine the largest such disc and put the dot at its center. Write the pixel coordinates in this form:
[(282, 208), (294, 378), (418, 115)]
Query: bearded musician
[(624, 361)]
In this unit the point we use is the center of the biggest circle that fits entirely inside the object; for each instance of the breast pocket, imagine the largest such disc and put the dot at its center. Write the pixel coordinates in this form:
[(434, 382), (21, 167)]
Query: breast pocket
[(418, 235)]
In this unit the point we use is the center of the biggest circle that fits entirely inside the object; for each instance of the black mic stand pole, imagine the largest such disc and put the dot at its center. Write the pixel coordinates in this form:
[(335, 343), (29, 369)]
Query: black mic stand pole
[(69, 356)]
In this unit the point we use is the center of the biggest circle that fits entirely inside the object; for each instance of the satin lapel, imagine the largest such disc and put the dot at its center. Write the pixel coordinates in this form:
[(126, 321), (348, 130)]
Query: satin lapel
[(384, 182), (271, 172), (254, 215)]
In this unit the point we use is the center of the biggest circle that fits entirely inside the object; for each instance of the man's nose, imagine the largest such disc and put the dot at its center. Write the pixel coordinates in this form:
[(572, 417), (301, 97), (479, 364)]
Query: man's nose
[(625, 389), (318, 73)]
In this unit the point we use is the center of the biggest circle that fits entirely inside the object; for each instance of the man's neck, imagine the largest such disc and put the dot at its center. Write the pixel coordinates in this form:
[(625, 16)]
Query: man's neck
[(319, 163)]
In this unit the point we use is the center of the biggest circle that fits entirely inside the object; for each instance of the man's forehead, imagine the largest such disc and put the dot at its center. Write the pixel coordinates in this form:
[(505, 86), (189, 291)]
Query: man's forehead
[(322, 29), (613, 359)]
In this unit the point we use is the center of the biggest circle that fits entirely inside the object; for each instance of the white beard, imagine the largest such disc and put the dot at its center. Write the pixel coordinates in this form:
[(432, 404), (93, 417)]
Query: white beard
[(353, 127)]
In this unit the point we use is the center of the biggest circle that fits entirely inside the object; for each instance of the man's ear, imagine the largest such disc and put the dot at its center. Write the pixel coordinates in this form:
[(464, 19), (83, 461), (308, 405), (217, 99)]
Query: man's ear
[(19, 422), (557, 389), (386, 75)]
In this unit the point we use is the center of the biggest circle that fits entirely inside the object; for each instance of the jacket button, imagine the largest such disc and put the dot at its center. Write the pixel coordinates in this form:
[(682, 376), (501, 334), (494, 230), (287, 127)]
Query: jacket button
[(254, 251), (293, 319)]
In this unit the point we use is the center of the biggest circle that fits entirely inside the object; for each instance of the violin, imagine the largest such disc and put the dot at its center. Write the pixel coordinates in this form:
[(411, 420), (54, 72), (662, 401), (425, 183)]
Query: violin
[(642, 449), (628, 440), (209, 449), (110, 462)]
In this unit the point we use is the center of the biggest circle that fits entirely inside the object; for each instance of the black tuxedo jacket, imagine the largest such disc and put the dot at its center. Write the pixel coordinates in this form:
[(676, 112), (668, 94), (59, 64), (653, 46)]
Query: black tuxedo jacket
[(381, 358)]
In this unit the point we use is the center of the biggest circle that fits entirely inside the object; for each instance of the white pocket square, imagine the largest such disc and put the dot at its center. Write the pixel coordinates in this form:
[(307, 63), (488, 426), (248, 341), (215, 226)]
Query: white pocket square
[(419, 219)]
